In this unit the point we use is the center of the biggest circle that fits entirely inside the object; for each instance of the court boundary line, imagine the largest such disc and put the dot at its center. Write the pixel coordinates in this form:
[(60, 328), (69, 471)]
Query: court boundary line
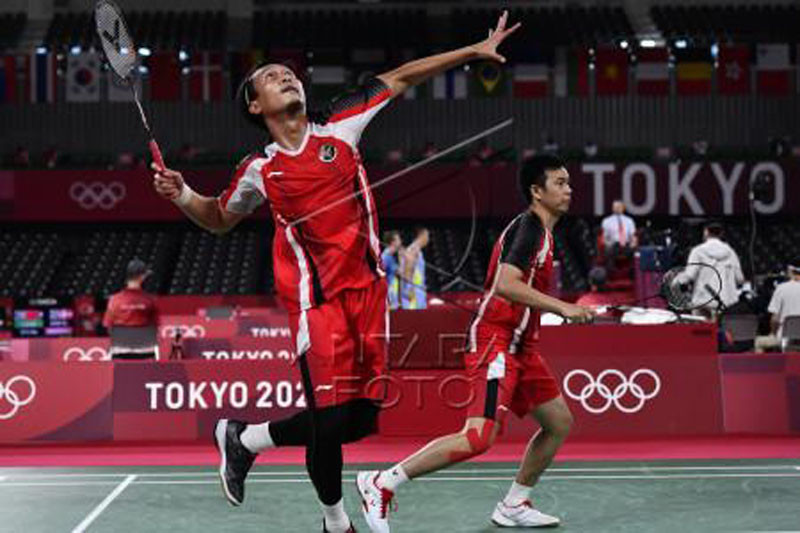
[(91, 517), (624, 477), (213, 473)]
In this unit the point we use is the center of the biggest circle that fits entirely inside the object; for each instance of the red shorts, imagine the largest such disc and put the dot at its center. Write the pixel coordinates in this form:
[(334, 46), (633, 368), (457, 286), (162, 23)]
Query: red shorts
[(504, 382), (341, 346)]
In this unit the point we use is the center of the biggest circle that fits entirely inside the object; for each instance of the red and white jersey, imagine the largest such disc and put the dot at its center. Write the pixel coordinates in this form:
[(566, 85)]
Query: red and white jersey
[(326, 227), (526, 244)]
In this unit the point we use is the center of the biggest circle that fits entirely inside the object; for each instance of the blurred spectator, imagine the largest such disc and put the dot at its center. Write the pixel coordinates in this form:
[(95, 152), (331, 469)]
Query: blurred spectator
[(713, 251), (125, 160), (700, 148), (779, 146), (598, 291), (590, 149), (664, 153), (51, 157), (395, 156), (785, 302), (619, 236), (482, 155), (391, 264), (132, 307), (188, 153), (87, 317), (413, 290), (550, 146), (21, 157), (430, 150)]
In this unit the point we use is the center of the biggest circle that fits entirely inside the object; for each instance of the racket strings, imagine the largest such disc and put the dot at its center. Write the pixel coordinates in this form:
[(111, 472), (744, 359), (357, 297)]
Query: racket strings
[(679, 286), (677, 292), (115, 39)]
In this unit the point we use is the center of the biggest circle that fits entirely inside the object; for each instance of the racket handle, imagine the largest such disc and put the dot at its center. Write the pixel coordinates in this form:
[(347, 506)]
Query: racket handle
[(155, 151)]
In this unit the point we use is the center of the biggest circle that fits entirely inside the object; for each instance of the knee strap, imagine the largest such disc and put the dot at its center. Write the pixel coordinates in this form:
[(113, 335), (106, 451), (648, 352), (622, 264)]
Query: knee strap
[(479, 442)]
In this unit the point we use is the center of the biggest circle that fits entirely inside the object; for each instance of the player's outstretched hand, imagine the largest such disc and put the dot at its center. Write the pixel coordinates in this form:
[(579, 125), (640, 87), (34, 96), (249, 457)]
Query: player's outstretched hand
[(487, 49), (167, 183), (578, 313)]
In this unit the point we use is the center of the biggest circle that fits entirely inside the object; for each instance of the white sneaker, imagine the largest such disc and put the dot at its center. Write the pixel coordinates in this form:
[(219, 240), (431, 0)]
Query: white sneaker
[(375, 501), (522, 515)]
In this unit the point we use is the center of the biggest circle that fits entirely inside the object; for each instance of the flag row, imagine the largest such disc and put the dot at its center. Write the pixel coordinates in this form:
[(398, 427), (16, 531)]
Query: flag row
[(571, 71)]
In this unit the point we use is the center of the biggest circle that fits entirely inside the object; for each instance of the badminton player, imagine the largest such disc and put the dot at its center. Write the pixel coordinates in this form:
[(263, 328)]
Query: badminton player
[(326, 259), (503, 361)]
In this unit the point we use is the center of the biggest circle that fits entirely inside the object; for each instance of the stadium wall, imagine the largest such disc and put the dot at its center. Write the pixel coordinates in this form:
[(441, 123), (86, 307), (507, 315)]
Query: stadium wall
[(618, 381), (694, 188), (609, 121)]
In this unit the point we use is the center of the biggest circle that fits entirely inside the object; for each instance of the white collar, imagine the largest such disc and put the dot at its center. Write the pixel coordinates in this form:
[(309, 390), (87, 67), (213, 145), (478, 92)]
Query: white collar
[(275, 147)]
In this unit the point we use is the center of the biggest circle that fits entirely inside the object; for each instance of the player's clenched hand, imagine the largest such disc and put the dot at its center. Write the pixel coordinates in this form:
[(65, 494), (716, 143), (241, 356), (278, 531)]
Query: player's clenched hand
[(578, 313), (487, 49), (168, 183)]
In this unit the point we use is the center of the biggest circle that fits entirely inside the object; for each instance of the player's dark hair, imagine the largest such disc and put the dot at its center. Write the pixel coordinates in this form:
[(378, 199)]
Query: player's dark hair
[(419, 229), (534, 172), (388, 236), (246, 93), (715, 229)]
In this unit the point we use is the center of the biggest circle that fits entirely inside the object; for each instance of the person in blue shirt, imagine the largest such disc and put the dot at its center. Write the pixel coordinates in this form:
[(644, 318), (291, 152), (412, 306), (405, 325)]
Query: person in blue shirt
[(413, 292), (391, 264)]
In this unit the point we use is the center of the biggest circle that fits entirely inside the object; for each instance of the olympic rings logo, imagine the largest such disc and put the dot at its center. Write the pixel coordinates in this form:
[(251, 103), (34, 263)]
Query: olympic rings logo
[(11, 395), (97, 194), (170, 332), (602, 388), (95, 353)]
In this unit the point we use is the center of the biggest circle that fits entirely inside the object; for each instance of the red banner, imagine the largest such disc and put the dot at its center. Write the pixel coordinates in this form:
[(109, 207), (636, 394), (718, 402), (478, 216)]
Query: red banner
[(182, 401), (696, 188), (55, 402), (637, 387)]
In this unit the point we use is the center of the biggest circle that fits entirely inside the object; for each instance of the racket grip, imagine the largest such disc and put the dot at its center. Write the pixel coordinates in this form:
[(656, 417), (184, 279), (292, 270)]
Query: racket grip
[(155, 151)]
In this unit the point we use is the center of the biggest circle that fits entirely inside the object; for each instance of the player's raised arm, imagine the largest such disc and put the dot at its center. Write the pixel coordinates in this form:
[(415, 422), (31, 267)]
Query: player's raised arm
[(417, 71), (204, 211)]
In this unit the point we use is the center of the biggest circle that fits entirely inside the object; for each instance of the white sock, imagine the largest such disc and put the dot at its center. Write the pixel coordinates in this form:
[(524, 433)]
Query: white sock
[(517, 494), (336, 519), (392, 478), (256, 437)]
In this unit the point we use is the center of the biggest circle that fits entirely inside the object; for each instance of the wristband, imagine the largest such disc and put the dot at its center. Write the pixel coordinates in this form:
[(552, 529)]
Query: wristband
[(185, 196)]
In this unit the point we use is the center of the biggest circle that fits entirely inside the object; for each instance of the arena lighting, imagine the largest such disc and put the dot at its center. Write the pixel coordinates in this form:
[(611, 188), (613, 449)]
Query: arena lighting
[(681, 43), (183, 56), (75, 50), (647, 43), (143, 69), (714, 50), (144, 51), (41, 50), (623, 44)]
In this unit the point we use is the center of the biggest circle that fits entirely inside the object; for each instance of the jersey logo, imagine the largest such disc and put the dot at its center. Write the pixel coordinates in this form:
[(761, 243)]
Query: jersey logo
[(327, 153)]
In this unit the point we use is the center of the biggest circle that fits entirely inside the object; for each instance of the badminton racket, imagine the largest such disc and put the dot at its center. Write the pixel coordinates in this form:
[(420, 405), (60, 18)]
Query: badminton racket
[(123, 59), (683, 288)]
